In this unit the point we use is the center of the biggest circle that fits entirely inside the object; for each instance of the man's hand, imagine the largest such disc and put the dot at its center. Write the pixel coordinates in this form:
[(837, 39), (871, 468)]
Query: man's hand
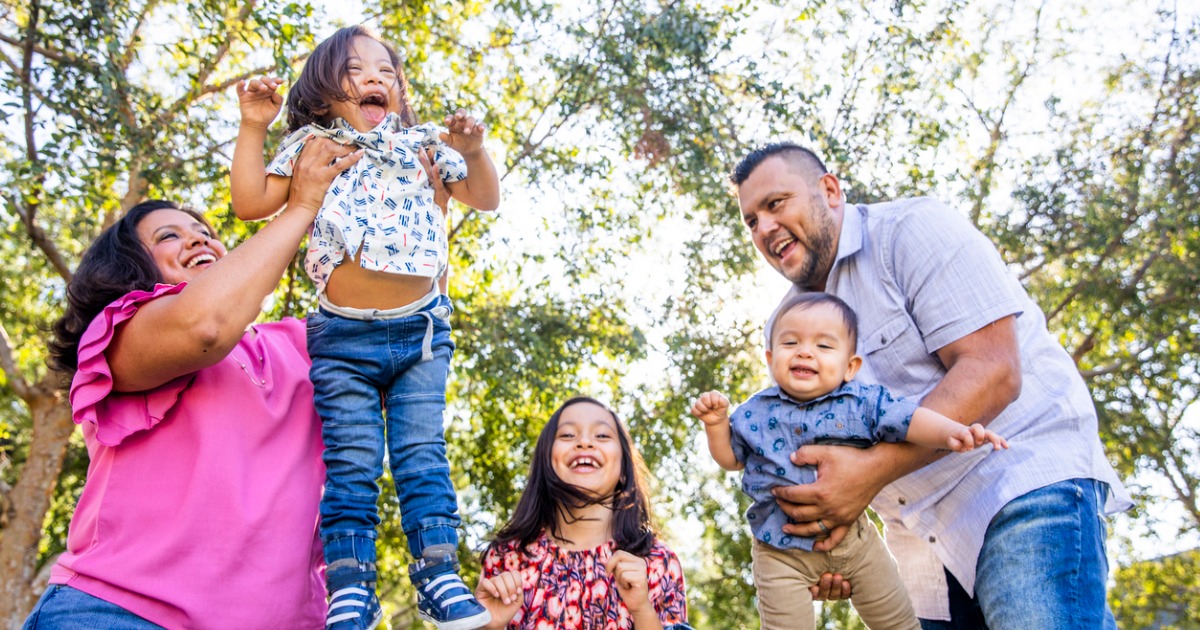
[(464, 135), (712, 408), (832, 586), (847, 480), (259, 101), (502, 596)]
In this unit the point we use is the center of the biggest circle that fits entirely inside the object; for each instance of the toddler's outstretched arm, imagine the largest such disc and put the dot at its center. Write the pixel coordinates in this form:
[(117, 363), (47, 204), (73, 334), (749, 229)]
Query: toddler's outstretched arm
[(481, 188), (255, 194), (932, 429), (712, 408)]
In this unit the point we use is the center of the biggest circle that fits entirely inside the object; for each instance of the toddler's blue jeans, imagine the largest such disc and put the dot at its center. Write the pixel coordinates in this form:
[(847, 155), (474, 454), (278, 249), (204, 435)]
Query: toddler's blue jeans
[(364, 366)]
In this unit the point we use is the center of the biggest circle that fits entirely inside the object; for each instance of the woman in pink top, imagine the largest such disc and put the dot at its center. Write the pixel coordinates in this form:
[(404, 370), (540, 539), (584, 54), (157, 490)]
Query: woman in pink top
[(579, 551), (200, 507)]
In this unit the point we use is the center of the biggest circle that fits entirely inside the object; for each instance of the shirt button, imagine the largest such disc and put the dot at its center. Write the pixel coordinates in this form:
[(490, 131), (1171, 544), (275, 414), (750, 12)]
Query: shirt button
[(903, 501), (840, 425), (932, 539), (798, 430)]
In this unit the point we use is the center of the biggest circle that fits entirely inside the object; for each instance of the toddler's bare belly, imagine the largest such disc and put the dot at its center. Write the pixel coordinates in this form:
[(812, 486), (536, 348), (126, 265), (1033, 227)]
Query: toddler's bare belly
[(354, 287)]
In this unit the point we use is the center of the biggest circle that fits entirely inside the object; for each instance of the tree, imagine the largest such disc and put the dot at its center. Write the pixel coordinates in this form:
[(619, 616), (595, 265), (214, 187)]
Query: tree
[(617, 266)]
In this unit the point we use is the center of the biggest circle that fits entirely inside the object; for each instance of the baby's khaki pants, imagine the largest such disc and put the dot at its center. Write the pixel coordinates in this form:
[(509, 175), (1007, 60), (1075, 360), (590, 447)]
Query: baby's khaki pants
[(783, 577)]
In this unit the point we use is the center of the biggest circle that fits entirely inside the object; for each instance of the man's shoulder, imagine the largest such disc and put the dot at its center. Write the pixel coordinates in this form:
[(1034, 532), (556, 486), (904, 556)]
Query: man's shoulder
[(903, 208), (919, 221)]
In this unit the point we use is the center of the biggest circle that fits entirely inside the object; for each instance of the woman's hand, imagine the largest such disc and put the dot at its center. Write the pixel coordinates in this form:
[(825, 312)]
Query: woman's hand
[(502, 596), (318, 164), (441, 196)]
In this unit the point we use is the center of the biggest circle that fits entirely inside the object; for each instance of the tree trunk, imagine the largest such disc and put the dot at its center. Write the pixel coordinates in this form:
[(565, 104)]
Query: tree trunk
[(30, 499)]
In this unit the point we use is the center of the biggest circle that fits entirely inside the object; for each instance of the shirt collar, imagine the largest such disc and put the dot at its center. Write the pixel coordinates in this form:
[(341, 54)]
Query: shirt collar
[(775, 392), (850, 242)]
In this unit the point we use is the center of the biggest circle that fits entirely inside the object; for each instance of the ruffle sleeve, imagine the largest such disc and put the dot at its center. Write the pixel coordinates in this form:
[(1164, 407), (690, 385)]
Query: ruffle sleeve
[(117, 415)]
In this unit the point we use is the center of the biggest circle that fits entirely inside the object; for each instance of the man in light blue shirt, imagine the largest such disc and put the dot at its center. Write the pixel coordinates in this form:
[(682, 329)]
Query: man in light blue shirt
[(1020, 537)]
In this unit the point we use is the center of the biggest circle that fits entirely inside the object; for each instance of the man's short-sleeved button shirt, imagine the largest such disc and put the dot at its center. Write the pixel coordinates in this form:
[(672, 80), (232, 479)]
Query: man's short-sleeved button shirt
[(770, 426), (381, 209)]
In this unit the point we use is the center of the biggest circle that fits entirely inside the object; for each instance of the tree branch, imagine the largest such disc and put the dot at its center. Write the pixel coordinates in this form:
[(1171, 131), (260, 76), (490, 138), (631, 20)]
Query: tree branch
[(211, 63), (56, 55), (127, 57)]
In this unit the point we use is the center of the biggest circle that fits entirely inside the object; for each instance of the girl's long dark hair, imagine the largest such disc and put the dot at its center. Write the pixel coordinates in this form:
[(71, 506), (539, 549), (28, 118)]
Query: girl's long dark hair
[(320, 82), (116, 263), (546, 495)]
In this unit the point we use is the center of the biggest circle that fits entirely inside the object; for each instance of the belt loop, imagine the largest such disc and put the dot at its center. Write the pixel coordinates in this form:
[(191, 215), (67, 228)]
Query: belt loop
[(427, 343)]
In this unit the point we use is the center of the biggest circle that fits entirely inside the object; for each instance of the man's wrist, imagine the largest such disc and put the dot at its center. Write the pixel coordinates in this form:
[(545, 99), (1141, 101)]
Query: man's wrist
[(891, 461)]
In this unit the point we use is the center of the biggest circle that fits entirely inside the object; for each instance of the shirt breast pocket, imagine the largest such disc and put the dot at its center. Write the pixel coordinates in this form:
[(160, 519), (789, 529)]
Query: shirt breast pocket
[(894, 356)]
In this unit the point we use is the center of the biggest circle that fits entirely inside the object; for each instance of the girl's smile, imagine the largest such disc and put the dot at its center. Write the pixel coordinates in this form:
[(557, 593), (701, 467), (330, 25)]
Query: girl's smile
[(586, 451)]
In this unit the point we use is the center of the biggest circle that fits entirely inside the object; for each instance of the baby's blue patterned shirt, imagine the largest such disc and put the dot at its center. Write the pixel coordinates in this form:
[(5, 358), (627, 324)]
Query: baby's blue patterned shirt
[(770, 426)]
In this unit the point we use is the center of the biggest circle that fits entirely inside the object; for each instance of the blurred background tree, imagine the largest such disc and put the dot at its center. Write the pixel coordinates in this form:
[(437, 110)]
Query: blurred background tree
[(616, 266)]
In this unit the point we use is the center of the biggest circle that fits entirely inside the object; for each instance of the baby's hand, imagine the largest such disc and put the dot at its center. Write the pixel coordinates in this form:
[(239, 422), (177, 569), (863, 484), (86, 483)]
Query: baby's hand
[(465, 135), (967, 438), (711, 408), (259, 101)]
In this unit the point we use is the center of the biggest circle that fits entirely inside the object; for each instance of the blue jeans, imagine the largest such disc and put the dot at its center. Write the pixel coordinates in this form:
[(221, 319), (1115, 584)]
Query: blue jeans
[(360, 369), (1042, 564), (64, 608)]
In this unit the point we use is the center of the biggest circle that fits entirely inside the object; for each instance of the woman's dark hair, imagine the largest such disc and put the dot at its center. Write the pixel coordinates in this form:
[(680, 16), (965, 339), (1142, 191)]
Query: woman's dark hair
[(320, 82), (116, 263), (546, 495)]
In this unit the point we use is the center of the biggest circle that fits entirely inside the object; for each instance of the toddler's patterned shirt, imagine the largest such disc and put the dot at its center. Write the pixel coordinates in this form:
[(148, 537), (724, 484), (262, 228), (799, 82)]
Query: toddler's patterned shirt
[(770, 426), (383, 205)]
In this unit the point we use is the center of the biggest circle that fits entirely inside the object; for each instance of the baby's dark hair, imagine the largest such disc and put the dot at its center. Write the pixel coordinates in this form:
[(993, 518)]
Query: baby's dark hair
[(809, 300), (320, 82)]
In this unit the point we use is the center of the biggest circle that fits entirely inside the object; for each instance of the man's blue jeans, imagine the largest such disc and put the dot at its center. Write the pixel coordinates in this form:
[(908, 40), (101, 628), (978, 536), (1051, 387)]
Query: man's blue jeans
[(360, 369), (1042, 564), (62, 607)]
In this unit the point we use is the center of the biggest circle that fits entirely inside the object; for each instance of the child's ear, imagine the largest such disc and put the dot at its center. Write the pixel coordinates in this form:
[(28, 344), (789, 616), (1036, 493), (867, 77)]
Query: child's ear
[(852, 369), (768, 356)]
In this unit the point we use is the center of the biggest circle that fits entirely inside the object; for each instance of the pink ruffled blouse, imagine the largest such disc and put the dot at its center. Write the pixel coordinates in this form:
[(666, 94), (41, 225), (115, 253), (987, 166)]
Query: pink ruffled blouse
[(200, 507)]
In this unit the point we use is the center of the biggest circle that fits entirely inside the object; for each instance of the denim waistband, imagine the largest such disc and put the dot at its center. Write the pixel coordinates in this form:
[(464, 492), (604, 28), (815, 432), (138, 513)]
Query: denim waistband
[(408, 310), (372, 314)]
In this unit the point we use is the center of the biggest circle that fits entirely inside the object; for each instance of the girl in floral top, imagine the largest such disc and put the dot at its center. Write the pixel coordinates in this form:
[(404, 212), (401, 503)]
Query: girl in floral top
[(579, 551)]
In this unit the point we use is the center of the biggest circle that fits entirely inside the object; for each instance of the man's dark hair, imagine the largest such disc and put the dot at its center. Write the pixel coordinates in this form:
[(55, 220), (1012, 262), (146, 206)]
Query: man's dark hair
[(800, 157), (809, 300)]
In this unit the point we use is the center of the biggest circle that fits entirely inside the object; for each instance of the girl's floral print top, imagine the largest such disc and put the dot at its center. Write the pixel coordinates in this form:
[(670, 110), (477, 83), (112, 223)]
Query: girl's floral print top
[(381, 209), (569, 589)]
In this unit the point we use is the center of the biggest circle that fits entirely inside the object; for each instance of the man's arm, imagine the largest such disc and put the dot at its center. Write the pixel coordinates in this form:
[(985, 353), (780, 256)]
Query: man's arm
[(983, 376)]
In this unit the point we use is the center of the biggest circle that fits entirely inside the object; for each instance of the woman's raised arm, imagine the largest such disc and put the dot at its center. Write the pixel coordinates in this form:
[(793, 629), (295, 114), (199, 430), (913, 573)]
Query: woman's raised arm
[(179, 334)]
